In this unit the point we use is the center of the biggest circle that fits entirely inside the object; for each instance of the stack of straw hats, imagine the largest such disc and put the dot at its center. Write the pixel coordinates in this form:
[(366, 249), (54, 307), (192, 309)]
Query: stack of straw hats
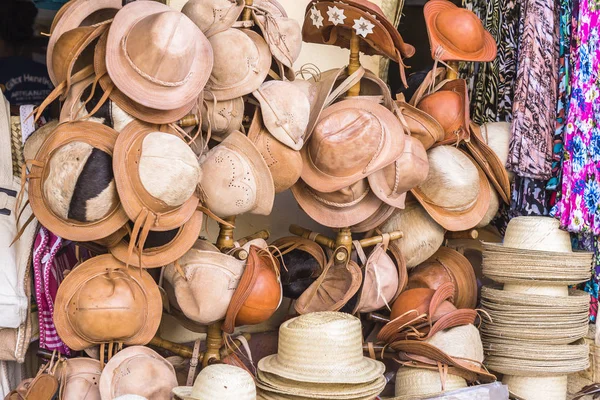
[(320, 356), (534, 336)]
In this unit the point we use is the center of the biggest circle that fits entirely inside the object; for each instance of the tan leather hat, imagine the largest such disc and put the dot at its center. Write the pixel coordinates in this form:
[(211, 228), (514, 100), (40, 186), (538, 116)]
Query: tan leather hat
[(140, 371), (157, 56), (407, 172), (456, 192), (421, 125), (222, 117), (236, 179), (345, 207), (190, 293), (71, 185), (284, 162), (229, 80), (285, 110), (382, 214), (102, 301), (81, 379), (457, 34), (367, 131), (213, 16), (259, 292), (74, 14)]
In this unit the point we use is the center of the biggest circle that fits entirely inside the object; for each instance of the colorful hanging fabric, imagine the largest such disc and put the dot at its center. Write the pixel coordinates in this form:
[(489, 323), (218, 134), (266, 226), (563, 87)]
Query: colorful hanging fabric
[(534, 105)]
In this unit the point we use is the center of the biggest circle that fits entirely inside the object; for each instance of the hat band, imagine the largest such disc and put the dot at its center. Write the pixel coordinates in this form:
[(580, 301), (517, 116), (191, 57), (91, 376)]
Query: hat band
[(149, 77), (448, 208), (338, 205)]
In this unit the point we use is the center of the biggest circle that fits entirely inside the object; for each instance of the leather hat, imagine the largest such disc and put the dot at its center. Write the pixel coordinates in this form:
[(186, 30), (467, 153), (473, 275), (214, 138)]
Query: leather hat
[(489, 162), (74, 14), (81, 379), (382, 214), (140, 371), (458, 32), (103, 301), (213, 16), (422, 312), (236, 178), (303, 261), (342, 208), (71, 185), (371, 88), (139, 111), (222, 117), (258, 294), (492, 210), (447, 265), (160, 247), (229, 80), (156, 174), (456, 193), (450, 107), (352, 139), (284, 162), (421, 125), (157, 56), (407, 172), (188, 290), (285, 110), (219, 381)]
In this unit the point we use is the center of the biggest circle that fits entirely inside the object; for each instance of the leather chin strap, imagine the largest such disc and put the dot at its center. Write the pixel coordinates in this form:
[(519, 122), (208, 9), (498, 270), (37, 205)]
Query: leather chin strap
[(193, 363)]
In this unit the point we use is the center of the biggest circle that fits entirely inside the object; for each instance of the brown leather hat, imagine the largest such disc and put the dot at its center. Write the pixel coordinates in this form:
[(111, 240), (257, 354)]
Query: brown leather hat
[(421, 125), (457, 34), (447, 265), (81, 379), (103, 301), (259, 291), (71, 185), (378, 218)]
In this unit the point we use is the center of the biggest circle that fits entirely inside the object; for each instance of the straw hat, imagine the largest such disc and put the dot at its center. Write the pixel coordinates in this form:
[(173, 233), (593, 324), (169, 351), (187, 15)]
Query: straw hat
[(213, 16), (156, 56), (285, 110), (322, 347), (71, 185), (222, 117), (80, 379), (458, 32), (219, 381), (576, 301), (414, 218), (345, 207), (229, 80), (492, 210), (416, 383), (236, 178), (537, 388), (137, 370), (456, 193), (102, 301), (421, 125)]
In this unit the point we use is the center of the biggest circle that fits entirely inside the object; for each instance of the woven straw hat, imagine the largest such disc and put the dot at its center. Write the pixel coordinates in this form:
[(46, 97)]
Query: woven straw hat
[(416, 383), (541, 234), (537, 388), (213, 16), (219, 381), (414, 218), (492, 209), (322, 347), (575, 302)]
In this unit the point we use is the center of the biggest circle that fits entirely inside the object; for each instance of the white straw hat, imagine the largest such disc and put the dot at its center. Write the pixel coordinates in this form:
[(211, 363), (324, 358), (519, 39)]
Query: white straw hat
[(322, 347), (219, 381), (537, 388), (416, 383)]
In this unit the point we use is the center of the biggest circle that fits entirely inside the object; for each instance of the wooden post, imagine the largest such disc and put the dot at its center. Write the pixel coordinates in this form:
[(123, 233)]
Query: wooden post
[(354, 63), (247, 15), (452, 73), (225, 239), (214, 342)]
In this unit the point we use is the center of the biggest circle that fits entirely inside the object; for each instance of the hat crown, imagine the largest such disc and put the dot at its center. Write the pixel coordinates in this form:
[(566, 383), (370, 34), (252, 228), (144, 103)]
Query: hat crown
[(226, 73), (418, 382), (213, 16), (159, 46), (224, 382), (82, 376), (460, 341), (446, 107), (144, 374), (346, 196), (410, 169), (462, 29), (537, 233)]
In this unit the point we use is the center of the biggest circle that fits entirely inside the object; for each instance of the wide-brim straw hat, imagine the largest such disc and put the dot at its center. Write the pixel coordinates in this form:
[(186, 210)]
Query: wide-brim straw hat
[(576, 301), (323, 347), (147, 114), (77, 13), (219, 381), (417, 383), (452, 51), (98, 136), (537, 388), (265, 395)]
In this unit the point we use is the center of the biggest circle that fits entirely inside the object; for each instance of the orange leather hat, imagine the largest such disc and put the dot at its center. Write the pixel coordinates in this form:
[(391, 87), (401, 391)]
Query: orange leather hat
[(447, 265), (103, 301), (259, 291), (421, 125), (457, 34)]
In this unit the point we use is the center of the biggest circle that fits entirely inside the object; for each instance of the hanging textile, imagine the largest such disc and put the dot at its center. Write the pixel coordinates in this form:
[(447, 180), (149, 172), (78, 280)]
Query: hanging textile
[(534, 104)]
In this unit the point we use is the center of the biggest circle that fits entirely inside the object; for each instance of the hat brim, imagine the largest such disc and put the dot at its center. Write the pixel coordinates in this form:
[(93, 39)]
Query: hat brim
[(334, 217), (459, 220), (74, 14), (98, 136), (428, 124), (140, 89), (137, 110), (68, 112), (129, 190), (87, 270), (378, 218), (431, 10), (183, 392)]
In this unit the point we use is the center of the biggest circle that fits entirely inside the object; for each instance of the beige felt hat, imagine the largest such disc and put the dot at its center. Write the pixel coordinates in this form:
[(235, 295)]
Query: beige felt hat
[(213, 16), (219, 381), (157, 56), (322, 347), (416, 383), (138, 370), (236, 178)]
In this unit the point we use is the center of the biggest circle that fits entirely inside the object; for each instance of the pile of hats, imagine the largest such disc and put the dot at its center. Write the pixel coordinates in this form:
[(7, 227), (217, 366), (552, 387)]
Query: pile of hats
[(536, 325), (320, 355)]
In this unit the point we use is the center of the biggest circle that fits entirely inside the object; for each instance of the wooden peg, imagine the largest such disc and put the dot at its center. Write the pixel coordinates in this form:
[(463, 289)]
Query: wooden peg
[(225, 239), (189, 120), (471, 234), (306, 233), (354, 62), (247, 15), (452, 72)]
